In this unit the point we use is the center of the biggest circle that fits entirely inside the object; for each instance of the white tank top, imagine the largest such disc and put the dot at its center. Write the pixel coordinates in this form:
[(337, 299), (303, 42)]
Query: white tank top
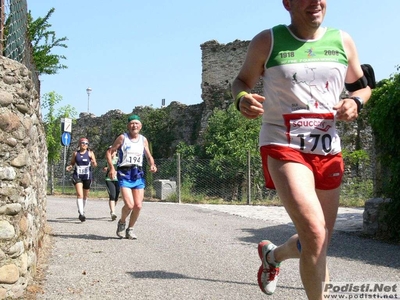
[(131, 153), (302, 81)]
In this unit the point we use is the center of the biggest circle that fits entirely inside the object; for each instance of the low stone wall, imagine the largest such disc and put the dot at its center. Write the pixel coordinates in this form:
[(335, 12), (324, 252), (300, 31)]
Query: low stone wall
[(373, 217), (23, 175)]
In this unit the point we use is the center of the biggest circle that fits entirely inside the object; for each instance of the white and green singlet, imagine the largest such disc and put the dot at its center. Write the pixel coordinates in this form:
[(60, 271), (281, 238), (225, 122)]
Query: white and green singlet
[(303, 80)]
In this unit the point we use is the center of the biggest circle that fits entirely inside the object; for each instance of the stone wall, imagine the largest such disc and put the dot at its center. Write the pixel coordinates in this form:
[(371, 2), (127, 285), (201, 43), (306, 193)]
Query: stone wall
[(374, 223), (220, 65), (23, 175)]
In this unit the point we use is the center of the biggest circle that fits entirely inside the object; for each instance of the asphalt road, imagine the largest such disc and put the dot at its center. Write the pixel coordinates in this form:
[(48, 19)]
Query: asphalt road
[(189, 252)]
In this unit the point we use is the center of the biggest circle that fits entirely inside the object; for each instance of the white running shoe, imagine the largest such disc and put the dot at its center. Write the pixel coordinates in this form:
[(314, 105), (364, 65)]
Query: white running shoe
[(267, 274)]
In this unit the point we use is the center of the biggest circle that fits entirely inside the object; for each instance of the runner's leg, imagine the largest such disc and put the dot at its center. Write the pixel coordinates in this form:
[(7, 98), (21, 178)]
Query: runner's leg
[(296, 188), (137, 195)]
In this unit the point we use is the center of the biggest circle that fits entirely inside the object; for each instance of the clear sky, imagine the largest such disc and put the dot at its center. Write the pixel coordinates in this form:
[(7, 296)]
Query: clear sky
[(136, 53)]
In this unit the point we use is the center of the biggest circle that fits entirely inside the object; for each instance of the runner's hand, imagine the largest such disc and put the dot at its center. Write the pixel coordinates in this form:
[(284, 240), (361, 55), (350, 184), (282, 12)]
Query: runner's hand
[(251, 105), (346, 110)]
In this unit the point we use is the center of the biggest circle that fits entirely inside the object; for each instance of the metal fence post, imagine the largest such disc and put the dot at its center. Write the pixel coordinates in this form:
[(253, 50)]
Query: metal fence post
[(63, 169), (248, 178), (178, 177)]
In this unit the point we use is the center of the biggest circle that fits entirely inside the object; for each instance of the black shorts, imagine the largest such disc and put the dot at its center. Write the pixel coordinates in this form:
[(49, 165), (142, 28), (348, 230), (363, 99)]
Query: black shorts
[(86, 182)]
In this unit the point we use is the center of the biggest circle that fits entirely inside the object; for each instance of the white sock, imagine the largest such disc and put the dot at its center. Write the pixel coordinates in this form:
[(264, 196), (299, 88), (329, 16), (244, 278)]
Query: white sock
[(84, 204), (79, 203), (271, 258)]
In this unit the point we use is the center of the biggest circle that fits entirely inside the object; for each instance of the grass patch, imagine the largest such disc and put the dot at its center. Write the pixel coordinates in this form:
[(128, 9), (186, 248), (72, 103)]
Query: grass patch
[(353, 195)]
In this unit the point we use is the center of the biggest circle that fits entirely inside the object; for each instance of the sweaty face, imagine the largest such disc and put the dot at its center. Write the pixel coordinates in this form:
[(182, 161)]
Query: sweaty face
[(309, 13)]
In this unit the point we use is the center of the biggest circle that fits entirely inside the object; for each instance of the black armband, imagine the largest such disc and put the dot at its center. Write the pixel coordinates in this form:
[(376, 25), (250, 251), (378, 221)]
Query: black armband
[(367, 80), (357, 85)]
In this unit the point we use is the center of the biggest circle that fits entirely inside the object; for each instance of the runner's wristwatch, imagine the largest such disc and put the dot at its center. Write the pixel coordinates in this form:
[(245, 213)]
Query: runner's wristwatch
[(360, 103)]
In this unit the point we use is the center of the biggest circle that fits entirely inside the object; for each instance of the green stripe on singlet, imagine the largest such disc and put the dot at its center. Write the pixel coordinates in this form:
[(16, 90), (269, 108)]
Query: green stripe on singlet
[(289, 50)]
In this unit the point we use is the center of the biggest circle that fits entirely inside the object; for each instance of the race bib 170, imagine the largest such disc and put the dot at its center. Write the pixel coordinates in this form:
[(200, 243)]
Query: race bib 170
[(310, 132)]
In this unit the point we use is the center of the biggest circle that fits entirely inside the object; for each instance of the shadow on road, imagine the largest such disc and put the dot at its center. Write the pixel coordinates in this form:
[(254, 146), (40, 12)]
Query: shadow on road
[(77, 221), (84, 236), (348, 245), (158, 274)]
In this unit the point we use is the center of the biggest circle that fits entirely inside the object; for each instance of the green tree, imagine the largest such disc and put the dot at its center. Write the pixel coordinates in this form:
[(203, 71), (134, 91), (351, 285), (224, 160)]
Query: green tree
[(229, 138), (187, 151), (43, 42), (52, 123), (383, 109), (156, 127)]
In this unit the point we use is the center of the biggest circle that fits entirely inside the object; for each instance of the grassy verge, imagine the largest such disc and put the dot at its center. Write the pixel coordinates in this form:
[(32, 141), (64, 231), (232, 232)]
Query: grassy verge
[(354, 197)]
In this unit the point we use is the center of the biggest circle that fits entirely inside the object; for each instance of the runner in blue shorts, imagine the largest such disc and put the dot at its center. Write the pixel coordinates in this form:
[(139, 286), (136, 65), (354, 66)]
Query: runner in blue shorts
[(131, 147)]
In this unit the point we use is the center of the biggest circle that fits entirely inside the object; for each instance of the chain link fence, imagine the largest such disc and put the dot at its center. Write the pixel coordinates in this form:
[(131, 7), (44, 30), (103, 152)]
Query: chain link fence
[(189, 180), (14, 41), (199, 180)]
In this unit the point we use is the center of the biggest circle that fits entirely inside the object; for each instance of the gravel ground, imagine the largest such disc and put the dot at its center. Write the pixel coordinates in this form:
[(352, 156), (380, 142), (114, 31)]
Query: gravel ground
[(193, 252)]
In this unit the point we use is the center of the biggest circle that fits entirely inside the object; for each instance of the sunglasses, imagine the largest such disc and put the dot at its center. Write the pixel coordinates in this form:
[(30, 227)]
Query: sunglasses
[(84, 143)]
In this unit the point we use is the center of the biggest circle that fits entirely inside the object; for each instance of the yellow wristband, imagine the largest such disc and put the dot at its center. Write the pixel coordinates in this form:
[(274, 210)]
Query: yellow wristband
[(238, 97)]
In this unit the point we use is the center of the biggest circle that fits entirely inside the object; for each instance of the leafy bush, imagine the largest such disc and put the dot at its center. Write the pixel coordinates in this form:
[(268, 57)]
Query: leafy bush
[(383, 109)]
